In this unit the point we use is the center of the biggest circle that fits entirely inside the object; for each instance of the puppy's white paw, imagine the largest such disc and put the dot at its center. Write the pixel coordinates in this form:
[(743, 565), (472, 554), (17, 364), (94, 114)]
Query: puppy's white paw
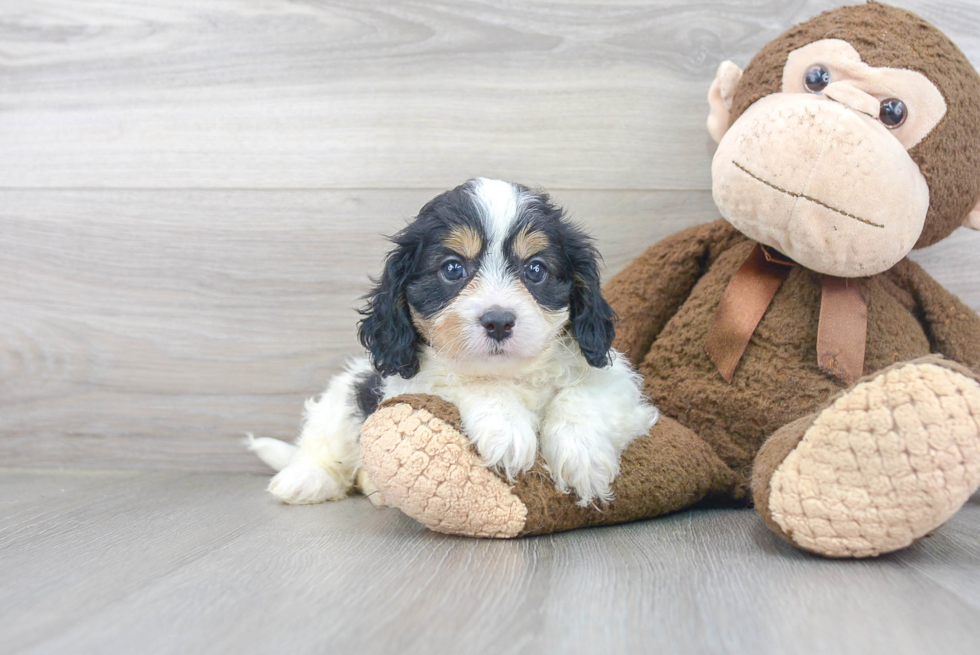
[(305, 483), (506, 441), (580, 460), (369, 489)]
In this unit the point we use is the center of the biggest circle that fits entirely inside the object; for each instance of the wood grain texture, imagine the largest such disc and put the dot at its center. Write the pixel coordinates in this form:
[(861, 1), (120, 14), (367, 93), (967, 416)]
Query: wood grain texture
[(154, 328), (378, 94), (205, 563), (192, 194)]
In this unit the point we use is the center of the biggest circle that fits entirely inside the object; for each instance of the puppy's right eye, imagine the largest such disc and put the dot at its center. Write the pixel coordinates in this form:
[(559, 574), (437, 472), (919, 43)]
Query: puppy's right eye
[(452, 270)]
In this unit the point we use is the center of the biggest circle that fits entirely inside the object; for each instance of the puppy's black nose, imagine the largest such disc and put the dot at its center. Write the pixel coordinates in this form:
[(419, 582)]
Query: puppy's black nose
[(498, 323)]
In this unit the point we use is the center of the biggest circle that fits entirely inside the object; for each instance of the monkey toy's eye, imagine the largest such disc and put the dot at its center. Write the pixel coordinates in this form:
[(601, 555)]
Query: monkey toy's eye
[(893, 113), (452, 270), (535, 272), (817, 78)]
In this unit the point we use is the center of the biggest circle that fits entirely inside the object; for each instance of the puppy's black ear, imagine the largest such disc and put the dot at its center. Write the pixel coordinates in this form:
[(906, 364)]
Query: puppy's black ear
[(387, 330), (593, 320)]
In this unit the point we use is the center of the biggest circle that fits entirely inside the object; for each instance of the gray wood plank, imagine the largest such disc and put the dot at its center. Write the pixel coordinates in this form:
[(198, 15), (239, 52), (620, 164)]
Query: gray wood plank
[(65, 562), (947, 560), (206, 563), (151, 329), (378, 94), (21, 493)]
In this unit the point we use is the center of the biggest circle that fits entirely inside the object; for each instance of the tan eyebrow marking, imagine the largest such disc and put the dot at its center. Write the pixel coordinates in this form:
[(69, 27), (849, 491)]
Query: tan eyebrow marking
[(804, 196), (528, 243), (465, 241)]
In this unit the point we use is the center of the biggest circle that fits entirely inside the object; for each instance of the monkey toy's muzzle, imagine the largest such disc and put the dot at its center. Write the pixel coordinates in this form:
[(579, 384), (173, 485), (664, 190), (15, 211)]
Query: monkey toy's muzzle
[(823, 183)]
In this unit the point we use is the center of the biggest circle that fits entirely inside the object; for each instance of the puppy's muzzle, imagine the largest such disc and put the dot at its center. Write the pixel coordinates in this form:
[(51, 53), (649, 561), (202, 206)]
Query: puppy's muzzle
[(498, 323)]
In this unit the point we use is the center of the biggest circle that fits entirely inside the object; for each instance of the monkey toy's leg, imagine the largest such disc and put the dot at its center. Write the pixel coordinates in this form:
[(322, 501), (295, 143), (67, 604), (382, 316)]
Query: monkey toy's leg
[(883, 464), (414, 451)]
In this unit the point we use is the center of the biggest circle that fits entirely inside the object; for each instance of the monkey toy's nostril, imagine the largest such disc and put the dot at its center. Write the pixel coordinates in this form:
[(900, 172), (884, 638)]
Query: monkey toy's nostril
[(498, 323)]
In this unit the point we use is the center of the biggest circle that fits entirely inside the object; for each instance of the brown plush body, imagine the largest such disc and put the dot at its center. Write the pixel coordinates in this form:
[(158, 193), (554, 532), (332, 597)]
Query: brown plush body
[(667, 298), (836, 463)]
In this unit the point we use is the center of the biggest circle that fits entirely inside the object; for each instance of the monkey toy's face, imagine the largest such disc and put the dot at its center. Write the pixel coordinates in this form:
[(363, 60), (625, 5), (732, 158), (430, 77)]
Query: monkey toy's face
[(820, 170)]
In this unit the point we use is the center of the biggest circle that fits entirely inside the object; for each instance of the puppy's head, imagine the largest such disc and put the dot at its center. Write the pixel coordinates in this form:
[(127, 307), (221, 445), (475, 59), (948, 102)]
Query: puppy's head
[(489, 274)]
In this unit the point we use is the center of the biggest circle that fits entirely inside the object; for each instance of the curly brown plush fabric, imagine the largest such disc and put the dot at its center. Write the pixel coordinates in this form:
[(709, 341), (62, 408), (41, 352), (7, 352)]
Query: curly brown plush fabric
[(890, 37), (666, 471), (778, 379)]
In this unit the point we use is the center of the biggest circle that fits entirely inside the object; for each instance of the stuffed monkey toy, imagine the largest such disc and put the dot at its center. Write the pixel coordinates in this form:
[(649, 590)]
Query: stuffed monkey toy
[(801, 362)]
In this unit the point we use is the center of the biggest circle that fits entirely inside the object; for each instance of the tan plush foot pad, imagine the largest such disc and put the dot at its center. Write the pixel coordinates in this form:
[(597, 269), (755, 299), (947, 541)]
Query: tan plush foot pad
[(889, 461), (424, 468)]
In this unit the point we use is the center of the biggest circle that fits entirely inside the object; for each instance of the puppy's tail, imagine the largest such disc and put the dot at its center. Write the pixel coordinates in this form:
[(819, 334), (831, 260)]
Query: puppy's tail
[(274, 452)]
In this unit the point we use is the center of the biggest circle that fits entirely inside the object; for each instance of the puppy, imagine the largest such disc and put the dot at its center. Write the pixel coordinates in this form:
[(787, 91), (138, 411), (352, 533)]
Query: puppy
[(491, 300)]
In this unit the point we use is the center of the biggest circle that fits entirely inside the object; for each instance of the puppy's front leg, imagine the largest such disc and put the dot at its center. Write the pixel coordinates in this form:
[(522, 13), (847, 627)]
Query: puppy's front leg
[(588, 425), (578, 449), (503, 430)]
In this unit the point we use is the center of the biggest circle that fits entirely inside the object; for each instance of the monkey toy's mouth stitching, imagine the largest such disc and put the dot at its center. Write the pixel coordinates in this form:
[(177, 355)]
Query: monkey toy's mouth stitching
[(804, 196)]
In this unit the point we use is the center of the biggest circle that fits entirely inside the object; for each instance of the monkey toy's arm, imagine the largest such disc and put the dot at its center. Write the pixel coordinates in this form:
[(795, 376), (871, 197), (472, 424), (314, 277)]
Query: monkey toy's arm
[(953, 328), (650, 290)]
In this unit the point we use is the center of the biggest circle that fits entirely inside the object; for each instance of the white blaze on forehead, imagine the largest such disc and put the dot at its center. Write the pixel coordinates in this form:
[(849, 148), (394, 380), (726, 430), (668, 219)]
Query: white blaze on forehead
[(499, 204)]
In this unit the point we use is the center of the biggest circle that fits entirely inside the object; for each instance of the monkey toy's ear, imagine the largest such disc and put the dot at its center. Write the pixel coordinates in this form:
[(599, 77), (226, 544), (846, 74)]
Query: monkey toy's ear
[(973, 218), (720, 98)]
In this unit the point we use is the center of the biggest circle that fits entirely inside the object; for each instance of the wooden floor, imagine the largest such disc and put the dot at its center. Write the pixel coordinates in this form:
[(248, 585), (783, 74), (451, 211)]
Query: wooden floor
[(183, 562)]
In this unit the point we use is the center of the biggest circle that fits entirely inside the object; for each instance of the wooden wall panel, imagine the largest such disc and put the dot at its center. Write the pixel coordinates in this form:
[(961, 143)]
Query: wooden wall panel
[(377, 94), (153, 328), (192, 193)]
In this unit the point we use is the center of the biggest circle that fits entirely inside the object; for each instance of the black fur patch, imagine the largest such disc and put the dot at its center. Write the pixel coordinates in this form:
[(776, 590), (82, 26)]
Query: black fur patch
[(573, 276), (411, 278), (368, 392), (540, 215)]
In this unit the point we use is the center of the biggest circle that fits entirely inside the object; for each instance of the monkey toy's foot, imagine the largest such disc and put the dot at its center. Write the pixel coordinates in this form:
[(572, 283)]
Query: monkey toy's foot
[(414, 451), (885, 463), (415, 454)]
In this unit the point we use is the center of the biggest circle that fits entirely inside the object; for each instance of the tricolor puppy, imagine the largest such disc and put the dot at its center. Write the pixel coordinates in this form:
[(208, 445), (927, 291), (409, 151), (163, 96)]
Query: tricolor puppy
[(491, 300)]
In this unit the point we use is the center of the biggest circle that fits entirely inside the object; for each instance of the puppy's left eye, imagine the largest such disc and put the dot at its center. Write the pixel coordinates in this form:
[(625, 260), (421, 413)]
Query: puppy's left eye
[(535, 272), (452, 270)]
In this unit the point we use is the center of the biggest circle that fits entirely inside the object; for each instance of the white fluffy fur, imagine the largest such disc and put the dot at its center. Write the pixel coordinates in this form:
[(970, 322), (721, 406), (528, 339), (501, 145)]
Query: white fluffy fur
[(585, 416), (534, 383), (326, 459)]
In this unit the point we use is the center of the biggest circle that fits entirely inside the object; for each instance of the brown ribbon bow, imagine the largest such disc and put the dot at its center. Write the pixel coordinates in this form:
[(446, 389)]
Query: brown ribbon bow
[(843, 328)]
